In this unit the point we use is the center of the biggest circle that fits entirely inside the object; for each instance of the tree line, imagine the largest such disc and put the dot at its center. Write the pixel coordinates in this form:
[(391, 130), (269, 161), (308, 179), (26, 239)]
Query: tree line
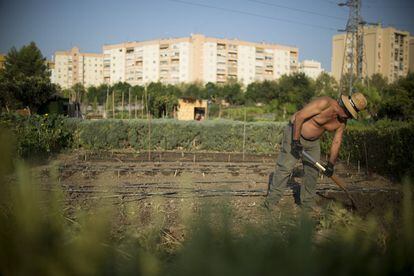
[(25, 81)]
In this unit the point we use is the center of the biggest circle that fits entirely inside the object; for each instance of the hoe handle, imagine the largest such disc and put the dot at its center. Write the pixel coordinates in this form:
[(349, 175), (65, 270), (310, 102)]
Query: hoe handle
[(338, 181)]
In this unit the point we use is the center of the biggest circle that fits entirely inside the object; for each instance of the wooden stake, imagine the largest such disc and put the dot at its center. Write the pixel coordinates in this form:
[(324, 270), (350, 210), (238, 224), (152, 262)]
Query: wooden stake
[(122, 106), (113, 104), (136, 103), (106, 102), (129, 103), (366, 157), (244, 132), (149, 129)]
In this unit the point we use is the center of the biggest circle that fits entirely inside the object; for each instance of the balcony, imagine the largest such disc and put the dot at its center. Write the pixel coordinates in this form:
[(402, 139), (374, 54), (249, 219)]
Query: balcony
[(221, 46), (164, 46), (232, 48)]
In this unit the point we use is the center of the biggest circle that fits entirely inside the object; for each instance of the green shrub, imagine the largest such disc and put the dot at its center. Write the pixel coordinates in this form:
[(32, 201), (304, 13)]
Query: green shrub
[(385, 147), (216, 135), (37, 134)]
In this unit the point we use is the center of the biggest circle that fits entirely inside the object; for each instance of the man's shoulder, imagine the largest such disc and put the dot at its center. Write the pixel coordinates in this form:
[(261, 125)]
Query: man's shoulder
[(324, 101)]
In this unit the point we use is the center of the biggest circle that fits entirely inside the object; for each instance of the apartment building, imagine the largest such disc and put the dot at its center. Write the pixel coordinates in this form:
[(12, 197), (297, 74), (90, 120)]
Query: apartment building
[(72, 67), (196, 58), (311, 68), (386, 51)]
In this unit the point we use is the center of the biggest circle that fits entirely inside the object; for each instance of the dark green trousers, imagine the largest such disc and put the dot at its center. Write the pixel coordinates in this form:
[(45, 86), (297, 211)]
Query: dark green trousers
[(284, 167)]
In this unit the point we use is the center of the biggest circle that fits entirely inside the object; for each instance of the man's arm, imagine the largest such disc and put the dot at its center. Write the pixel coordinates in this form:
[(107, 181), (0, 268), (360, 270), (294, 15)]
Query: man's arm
[(311, 109), (336, 144)]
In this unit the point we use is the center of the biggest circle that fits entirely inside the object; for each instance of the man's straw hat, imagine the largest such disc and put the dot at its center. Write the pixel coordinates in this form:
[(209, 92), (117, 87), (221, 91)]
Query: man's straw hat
[(354, 103)]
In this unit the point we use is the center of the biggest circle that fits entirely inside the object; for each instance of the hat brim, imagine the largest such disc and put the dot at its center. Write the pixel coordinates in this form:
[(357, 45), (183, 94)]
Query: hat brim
[(348, 106)]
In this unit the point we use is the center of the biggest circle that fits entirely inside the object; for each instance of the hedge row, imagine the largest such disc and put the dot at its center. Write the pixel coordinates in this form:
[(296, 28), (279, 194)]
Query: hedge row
[(220, 135), (386, 147)]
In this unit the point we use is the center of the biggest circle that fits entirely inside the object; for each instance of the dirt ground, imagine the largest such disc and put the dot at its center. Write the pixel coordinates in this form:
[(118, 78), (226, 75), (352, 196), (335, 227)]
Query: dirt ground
[(174, 179)]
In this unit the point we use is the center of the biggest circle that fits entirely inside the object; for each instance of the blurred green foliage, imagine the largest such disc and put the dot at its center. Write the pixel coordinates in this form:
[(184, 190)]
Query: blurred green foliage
[(37, 135), (43, 233)]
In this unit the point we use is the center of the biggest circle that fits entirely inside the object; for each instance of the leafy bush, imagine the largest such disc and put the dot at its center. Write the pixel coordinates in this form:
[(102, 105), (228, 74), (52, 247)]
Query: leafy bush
[(37, 134), (217, 135), (385, 147)]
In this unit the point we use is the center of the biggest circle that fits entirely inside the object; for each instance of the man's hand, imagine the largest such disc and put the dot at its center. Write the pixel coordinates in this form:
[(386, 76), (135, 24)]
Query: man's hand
[(329, 169), (296, 149)]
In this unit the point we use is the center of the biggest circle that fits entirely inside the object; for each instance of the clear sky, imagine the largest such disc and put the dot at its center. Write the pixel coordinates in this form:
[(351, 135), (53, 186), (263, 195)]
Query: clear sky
[(89, 24)]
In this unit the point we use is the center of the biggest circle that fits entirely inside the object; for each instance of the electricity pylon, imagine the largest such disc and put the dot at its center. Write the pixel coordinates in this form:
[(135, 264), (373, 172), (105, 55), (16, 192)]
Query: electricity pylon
[(353, 45)]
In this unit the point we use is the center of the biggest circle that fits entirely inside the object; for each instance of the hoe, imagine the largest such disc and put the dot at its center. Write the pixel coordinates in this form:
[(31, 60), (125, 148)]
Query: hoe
[(334, 178)]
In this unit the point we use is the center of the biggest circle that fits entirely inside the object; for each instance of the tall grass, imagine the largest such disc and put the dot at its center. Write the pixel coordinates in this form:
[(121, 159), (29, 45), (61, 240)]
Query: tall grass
[(40, 234)]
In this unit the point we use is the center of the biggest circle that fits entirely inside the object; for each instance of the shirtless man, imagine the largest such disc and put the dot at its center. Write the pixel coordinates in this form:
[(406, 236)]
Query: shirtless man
[(302, 133)]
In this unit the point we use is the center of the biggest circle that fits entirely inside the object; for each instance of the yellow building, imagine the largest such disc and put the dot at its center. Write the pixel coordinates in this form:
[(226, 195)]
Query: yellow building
[(386, 52), (411, 54), (197, 58), (72, 67), (2, 61), (192, 109)]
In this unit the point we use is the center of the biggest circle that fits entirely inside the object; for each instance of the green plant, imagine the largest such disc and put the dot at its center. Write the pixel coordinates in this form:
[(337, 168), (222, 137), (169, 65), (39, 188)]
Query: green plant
[(216, 135), (385, 147), (38, 134)]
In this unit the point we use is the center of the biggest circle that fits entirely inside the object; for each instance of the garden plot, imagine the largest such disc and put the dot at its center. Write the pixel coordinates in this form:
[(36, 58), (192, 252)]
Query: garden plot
[(241, 181)]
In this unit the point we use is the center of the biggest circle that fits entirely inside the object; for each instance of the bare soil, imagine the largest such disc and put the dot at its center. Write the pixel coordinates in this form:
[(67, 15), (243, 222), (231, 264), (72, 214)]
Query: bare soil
[(241, 181)]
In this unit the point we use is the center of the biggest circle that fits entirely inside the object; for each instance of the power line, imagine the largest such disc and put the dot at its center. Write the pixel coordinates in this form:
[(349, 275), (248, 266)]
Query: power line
[(298, 10), (253, 14)]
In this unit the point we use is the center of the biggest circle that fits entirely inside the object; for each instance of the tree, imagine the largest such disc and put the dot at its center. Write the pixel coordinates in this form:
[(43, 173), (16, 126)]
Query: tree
[(193, 90), (326, 85), (162, 99), (25, 80), (119, 88), (378, 82), (398, 100), (79, 94), (232, 93), (262, 92), (296, 89)]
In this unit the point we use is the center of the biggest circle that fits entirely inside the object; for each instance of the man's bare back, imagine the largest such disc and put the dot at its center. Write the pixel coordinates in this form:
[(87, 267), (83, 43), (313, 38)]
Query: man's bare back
[(320, 115), (330, 118)]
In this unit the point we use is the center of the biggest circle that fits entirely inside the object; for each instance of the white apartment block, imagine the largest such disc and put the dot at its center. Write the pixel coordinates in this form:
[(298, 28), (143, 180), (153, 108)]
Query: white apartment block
[(311, 68), (197, 58), (71, 67), (189, 59)]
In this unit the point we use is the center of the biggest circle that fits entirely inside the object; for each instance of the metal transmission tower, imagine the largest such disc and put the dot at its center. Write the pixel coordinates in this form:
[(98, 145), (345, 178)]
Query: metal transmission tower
[(353, 45)]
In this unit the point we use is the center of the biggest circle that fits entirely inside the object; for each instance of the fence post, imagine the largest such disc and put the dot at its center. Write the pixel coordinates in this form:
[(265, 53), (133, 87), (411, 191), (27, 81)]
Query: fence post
[(113, 104), (106, 103), (366, 158), (129, 103), (136, 103), (244, 132), (149, 135), (122, 106), (142, 109)]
